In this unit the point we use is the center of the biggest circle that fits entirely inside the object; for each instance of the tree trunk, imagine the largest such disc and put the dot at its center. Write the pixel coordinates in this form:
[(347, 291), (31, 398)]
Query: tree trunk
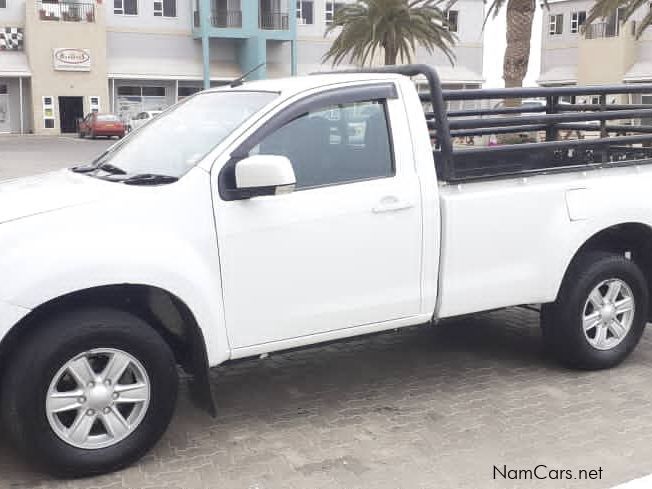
[(520, 14), (390, 55)]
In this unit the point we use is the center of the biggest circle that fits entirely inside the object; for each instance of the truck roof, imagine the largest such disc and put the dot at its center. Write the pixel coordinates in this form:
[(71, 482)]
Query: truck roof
[(290, 86)]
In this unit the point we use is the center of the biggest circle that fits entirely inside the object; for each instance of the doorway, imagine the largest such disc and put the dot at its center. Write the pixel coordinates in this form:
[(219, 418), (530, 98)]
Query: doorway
[(71, 109), (5, 125)]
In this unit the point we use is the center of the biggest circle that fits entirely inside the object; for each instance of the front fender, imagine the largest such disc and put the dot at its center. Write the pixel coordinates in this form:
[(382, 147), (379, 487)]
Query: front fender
[(165, 240)]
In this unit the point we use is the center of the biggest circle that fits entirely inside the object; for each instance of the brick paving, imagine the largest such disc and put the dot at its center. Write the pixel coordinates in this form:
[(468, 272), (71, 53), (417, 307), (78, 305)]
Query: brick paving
[(417, 408)]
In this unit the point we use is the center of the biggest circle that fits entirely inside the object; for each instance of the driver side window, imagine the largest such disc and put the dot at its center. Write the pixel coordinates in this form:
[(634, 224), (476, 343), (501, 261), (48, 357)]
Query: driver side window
[(336, 144)]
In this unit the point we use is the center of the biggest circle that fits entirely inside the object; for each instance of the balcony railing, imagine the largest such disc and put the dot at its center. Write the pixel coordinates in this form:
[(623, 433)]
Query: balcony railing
[(227, 18), (274, 21), (66, 11), (222, 18), (601, 30)]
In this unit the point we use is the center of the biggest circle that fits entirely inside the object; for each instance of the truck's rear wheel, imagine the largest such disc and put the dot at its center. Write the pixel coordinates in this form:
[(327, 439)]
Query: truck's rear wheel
[(89, 392), (600, 313)]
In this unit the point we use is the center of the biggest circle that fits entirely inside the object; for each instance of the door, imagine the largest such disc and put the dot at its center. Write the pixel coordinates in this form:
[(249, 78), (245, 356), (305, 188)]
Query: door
[(344, 249), (71, 109), (5, 123)]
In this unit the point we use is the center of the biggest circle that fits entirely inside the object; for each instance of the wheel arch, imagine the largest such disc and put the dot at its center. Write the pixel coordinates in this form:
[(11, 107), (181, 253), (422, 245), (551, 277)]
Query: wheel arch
[(164, 311), (633, 239)]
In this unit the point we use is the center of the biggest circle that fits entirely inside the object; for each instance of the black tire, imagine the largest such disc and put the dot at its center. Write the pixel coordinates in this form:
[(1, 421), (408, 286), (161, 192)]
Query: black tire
[(561, 320), (38, 359)]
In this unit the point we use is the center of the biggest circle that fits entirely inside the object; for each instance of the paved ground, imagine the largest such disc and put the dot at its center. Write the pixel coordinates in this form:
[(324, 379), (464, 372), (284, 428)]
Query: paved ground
[(25, 155), (422, 408)]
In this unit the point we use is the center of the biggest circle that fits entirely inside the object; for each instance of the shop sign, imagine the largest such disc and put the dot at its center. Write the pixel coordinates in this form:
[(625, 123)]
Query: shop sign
[(71, 59)]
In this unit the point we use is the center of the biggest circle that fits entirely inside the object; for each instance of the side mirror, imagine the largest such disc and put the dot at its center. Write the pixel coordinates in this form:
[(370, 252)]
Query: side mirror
[(264, 175)]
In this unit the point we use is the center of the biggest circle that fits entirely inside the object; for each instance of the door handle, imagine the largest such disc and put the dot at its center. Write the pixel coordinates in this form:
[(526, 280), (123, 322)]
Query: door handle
[(392, 203)]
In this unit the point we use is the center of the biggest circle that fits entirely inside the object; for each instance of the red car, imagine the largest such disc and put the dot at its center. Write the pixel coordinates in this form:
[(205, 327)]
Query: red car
[(95, 124)]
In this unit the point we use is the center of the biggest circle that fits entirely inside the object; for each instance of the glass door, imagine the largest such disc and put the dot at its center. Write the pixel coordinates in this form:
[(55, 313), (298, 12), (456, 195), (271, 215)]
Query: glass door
[(4, 108)]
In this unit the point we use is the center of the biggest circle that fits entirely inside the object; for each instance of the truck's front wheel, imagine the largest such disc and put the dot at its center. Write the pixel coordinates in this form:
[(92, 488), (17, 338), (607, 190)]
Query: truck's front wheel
[(89, 392), (600, 313)]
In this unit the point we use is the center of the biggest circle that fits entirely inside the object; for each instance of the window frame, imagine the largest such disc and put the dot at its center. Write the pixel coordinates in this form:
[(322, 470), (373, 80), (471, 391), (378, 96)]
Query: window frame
[(576, 21), (160, 12), (384, 92), (556, 23), (330, 7), (301, 20), (457, 20), (122, 11)]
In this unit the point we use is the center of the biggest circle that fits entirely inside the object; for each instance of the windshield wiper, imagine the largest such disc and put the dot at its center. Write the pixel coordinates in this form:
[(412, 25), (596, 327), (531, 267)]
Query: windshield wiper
[(107, 167), (84, 168), (112, 169), (149, 179)]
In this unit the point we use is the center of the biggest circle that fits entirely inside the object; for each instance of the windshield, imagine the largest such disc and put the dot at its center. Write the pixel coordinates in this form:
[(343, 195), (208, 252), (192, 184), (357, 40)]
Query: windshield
[(175, 141), (107, 118)]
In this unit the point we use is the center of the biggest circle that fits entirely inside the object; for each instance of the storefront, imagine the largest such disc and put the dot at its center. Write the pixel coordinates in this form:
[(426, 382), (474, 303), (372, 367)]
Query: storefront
[(15, 74), (15, 109), (130, 97)]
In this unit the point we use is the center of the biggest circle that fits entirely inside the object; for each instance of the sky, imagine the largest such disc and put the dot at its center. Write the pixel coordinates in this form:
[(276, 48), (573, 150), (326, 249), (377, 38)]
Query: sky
[(494, 48)]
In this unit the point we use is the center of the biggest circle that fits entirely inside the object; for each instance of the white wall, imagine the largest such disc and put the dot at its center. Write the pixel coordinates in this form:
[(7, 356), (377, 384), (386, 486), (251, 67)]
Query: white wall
[(14, 14), (145, 21)]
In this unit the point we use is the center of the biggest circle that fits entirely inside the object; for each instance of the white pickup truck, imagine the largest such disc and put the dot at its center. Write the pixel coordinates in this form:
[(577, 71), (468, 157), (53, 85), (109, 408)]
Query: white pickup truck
[(277, 214)]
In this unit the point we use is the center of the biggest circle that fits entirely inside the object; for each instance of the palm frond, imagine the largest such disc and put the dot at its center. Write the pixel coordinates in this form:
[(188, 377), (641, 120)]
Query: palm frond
[(397, 27), (605, 8)]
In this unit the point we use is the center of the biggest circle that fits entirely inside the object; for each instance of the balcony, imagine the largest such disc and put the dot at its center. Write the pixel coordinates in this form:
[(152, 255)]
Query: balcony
[(274, 21), (66, 11), (606, 52), (224, 19), (602, 30)]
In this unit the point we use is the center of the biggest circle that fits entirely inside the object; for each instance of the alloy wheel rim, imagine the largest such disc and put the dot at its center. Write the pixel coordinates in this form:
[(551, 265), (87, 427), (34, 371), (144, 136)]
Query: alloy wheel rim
[(98, 398), (608, 314)]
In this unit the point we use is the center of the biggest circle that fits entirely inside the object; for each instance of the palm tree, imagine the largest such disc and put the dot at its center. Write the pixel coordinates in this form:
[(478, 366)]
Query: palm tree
[(394, 26), (605, 8), (520, 14)]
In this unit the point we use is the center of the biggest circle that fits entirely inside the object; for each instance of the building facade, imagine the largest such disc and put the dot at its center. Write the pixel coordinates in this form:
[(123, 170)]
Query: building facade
[(60, 60), (604, 52)]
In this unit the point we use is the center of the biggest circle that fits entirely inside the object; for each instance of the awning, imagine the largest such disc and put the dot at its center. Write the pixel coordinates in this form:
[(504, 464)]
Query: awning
[(559, 75), (169, 69), (14, 64), (639, 72)]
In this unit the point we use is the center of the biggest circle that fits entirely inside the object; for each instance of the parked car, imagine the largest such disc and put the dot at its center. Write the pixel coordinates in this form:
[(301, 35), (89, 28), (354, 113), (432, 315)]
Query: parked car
[(235, 225), (106, 125), (142, 118)]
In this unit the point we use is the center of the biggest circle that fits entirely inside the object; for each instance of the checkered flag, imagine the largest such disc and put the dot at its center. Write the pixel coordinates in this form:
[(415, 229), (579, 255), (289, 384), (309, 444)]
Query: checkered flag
[(11, 39)]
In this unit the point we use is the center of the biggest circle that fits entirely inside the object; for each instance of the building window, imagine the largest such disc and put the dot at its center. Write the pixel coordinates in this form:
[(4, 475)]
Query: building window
[(578, 19), (94, 104), (556, 24), (48, 112), (3, 3), (165, 8), (305, 12), (134, 99), (451, 18), (125, 7), (184, 92), (331, 8)]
